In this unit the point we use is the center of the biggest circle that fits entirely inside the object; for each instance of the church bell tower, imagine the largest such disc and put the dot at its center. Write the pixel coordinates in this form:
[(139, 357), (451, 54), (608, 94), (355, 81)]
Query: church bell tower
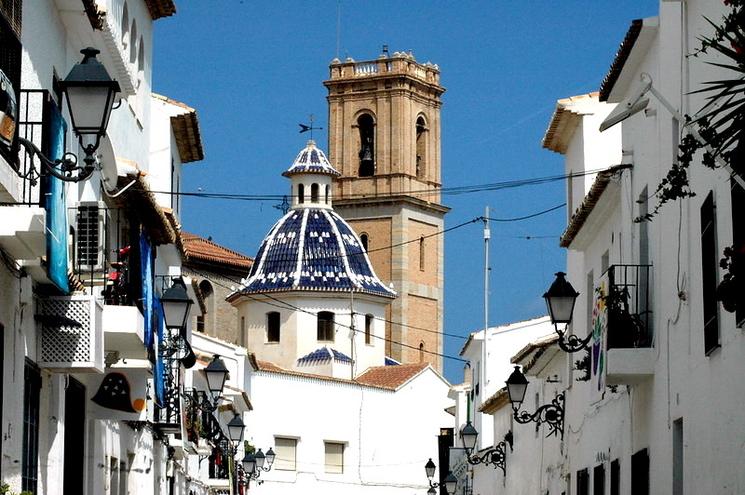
[(384, 138)]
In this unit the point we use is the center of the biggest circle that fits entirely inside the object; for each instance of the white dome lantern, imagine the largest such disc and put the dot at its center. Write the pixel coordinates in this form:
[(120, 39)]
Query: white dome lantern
[(312, 176)]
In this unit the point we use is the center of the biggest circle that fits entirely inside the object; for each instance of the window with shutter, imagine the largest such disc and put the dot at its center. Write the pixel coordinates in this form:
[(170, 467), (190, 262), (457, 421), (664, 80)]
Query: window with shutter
[(334, 455), (286, 452), (709, 264)]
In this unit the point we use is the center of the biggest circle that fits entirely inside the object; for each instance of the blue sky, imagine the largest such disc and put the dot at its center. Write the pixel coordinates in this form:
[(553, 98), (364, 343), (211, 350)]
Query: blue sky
[(254, 70)]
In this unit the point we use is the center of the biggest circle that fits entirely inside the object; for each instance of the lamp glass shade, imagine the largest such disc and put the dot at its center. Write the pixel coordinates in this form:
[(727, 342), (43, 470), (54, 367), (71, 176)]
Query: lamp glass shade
[(270, 455), (176, 304), (249, 464), (260, 459), (560, 299), (216, 373), (517, 384), (451, 483), (235, 428), (430, 468), (90, 94), (468, 435)]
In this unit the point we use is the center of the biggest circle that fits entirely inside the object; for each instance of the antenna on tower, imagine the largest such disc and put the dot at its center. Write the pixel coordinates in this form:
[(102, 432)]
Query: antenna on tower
[(338, 27)]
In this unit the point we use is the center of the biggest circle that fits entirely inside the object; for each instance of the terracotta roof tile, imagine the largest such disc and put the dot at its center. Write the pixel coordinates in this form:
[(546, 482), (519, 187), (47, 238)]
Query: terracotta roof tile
[(495, 402), (200, 249), (391, 377), (621, 56), (381, 377)]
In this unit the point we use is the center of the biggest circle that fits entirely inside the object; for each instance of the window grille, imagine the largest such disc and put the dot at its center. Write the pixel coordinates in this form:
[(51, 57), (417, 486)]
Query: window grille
[(89, 231)]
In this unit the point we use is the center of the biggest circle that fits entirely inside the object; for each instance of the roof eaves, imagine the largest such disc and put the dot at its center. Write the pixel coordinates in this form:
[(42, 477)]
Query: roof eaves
[(140, 199), (632, 50), (495, 402), (564, 121), (160, 8), (531, 352), (588, 203)]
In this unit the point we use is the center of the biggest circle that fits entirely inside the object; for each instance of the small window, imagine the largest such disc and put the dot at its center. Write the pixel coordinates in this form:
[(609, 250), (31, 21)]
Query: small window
[(334, 453), (421, 254), (640, 473), (285, 450), (598, 480), (300, 193), (314, 193), (125, 26), (200, 323), (328, 191), (709, 269), (325, 328), (421, 352), (141, 57), (368, 328), (243, 337), (366, 126), (364, 239), (583, 482), (272, 326), (615, 477)]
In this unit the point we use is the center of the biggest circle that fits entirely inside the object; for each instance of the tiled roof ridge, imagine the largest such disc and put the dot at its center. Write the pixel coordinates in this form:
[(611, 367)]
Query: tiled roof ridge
[(160, 8), (588, 203), (232, 257), (624, 50)]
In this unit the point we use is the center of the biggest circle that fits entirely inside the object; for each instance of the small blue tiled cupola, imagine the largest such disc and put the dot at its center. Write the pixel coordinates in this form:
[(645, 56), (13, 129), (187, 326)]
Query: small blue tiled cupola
[(311, 175), (312, 248)]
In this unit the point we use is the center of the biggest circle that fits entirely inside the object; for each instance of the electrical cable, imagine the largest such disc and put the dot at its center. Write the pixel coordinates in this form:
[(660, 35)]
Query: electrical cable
[(278, 303), (533, 215)]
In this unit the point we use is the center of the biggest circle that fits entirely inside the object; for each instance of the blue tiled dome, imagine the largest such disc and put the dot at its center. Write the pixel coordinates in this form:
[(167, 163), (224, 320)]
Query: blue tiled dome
[(313, 249), (311, 160)]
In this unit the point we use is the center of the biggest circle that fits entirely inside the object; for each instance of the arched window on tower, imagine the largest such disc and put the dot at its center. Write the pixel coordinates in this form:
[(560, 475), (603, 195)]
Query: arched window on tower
[(328, 190), (366, 126), (364, 239), (421, 352), (314, 193), (421, 147), (300, 193), (421, 254)]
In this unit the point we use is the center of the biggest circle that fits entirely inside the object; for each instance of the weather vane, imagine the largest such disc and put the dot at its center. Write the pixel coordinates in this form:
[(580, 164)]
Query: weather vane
[(311, 127)]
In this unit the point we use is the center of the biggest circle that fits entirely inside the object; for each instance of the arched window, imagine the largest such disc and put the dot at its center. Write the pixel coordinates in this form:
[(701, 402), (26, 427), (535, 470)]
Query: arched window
[(124, 27), (141, 56), (421, 147), (366, 126), (328, 190), (314, 193), (364, 239), (421, 352), (133, 42), (272, 326), (421, 254), (300, 193), (325, 326), (368, 328)]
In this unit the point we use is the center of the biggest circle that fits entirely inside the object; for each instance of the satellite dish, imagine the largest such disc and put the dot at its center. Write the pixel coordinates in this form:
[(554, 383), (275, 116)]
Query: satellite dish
[(635, 103), (107, 164)]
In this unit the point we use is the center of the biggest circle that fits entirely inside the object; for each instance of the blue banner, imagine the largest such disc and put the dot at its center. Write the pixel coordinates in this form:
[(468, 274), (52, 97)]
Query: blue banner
[(56, 206), (146, 270), (159, 372)]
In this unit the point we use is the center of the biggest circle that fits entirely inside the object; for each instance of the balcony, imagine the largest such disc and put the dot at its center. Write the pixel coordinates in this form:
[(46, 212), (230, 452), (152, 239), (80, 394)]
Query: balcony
[(630, 338), (70, 340), (123, 328)]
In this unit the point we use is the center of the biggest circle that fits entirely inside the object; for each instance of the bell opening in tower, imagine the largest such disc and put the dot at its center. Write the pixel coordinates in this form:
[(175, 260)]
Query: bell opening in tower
[(366, 125)]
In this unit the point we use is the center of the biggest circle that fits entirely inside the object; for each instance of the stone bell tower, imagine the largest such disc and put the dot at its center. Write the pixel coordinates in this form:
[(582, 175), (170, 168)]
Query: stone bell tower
[(384, 138)]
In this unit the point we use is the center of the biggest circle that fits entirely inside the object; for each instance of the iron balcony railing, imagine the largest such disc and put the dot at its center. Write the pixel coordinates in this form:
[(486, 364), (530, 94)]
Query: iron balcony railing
[(33, 124), (629, 306)]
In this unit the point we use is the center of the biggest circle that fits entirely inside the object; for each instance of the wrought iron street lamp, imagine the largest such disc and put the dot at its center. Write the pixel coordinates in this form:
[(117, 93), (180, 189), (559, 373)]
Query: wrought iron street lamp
[(254, 464), (450, 483), (176, 304), (235, 429), (496, 456), (552, 414), (560, 299), (215, 374), (90, 98)]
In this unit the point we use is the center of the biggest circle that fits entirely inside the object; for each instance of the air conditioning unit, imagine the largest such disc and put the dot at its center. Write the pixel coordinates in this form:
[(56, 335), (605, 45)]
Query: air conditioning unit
[(90, 236), (71, 337)]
